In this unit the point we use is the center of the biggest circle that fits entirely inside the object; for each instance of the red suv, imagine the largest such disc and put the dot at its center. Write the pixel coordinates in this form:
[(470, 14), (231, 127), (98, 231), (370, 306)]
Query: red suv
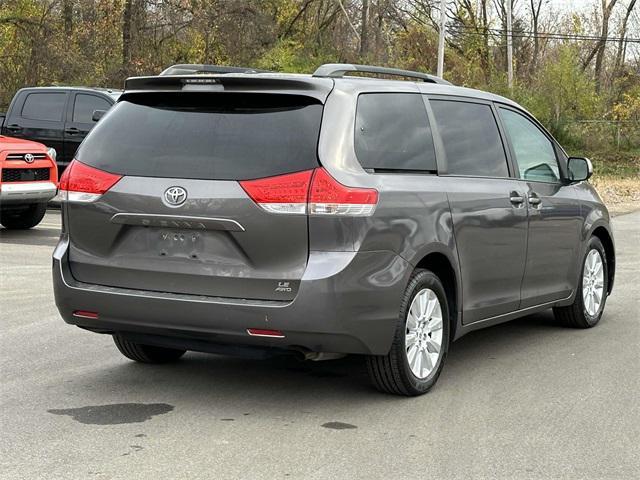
[(28, 180)]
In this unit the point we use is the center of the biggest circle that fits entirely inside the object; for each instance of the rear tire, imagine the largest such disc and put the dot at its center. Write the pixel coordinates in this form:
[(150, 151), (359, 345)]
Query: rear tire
[(582, 313), (23, 219), (418, 332), (146, 353)]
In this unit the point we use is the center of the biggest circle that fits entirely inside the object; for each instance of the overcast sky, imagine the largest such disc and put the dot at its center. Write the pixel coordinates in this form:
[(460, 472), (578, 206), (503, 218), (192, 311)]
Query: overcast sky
[(573, 4), (569, 5)]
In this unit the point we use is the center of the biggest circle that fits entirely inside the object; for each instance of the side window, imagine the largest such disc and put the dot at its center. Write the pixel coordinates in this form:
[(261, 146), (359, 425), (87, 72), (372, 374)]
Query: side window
[(44, 106), (471, 139), (393, 133), (534, 152), (84, 106)]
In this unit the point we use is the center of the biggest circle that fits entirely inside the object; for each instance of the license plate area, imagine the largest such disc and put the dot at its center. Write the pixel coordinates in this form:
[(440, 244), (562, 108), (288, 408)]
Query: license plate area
[(181, 244)]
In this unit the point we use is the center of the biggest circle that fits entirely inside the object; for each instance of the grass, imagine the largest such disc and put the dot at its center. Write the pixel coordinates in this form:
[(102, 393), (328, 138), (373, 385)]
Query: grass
[(616, 164), (617, 178)]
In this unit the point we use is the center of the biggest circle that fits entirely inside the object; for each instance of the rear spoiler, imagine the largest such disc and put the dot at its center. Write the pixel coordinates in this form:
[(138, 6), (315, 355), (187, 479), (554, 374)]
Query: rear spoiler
[(317, 88), (190, 68)]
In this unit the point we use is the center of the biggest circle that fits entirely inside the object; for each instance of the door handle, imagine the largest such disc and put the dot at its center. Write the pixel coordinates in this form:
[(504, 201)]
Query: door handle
[(534, 200), (71, 131), (14, 128), (516, 199)]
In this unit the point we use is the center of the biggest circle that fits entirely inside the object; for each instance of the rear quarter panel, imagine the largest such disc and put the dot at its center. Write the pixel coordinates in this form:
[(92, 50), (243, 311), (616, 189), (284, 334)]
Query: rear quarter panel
[(412, 218)]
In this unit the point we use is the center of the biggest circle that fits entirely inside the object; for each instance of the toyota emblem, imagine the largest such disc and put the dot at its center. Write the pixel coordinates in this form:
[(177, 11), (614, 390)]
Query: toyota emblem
[(175, 196), (29, 158)]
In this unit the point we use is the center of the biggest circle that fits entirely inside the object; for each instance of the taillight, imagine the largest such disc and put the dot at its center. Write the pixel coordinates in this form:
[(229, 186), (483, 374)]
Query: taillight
[(82, 183), (327, 196), (312, 191), (281, 194)]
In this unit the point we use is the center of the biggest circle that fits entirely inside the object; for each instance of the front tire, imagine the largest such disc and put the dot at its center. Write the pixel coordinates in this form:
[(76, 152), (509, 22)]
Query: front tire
[(146, 353), (420, 343), (25, 218), (591, 296)]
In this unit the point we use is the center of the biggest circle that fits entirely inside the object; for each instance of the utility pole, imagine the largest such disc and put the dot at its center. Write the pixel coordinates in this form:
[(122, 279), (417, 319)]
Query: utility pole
[(509, 46), (443, 21)]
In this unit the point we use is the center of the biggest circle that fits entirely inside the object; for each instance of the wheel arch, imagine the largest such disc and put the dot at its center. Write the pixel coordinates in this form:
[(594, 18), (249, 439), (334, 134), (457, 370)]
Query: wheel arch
[(443, 268), (607, 241)]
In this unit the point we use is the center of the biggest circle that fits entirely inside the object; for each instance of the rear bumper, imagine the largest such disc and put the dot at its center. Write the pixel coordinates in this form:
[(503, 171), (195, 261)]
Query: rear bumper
[(347, 303), (27, 192)]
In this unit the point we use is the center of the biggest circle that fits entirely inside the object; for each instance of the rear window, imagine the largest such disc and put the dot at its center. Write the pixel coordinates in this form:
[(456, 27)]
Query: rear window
[(44, 106), (212, 136), (393, 133)]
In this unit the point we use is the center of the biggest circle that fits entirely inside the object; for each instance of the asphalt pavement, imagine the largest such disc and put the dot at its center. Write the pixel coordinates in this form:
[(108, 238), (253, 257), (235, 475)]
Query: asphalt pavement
[(524, 400)]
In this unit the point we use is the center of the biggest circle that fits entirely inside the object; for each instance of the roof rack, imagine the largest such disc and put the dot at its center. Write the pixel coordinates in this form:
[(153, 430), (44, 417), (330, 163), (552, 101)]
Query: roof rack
[(191, 68), (337, 70)]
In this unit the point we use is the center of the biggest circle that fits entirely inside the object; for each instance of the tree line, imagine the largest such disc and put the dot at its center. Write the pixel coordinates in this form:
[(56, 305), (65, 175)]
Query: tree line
[(576, 70)]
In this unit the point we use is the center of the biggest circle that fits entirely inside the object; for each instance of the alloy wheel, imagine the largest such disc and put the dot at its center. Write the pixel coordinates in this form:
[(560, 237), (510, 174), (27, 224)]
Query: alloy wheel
[(593, 282), (423, 336)]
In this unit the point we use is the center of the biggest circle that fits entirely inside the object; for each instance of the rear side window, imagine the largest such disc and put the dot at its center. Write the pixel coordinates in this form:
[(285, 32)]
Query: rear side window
[(212, 136), (393, 133), (85, 105), (44, 106), (471, 139)]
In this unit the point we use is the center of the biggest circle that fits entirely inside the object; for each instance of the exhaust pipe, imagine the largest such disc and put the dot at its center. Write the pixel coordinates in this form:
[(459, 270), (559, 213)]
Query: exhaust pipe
[(303, 354)]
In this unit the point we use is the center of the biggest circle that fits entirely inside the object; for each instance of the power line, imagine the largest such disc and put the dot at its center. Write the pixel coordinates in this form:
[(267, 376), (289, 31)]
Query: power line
[(542, 35)]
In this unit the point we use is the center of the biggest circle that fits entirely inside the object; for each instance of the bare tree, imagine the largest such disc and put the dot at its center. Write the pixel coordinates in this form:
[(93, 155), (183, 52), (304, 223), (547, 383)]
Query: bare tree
[(536, 5), (67, 14), (364, 29), (600, 47), (620, 55), (126, 34)]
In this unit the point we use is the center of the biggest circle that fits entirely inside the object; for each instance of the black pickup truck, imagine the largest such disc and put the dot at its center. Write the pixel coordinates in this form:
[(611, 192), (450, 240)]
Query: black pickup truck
[(59, 117)]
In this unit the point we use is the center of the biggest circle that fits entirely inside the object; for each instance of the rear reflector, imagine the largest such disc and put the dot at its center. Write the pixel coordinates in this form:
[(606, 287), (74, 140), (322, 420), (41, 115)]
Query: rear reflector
[(85, 314), (82, 183), (312, 191), (259, 332)]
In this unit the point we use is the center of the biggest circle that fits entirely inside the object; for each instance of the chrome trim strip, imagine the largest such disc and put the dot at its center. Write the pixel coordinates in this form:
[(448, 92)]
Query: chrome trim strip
[(20, 156), (177, 221)]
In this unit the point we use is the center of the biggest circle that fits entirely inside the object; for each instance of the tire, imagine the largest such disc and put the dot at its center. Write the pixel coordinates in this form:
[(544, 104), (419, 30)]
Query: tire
[(146, 353), (393, 373), (577, 315), (23, 219)]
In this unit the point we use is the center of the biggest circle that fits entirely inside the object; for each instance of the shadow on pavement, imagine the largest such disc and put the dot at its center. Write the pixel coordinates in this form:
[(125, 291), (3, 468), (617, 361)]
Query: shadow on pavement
[(33, 237), (271, 387)]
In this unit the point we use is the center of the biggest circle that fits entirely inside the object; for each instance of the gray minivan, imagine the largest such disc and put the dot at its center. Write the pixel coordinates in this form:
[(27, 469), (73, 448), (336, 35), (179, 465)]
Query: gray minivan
[(321, 215)]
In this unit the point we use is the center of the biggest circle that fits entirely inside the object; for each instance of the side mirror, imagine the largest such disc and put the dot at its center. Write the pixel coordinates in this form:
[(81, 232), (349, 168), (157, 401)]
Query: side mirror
[(97, 115), (579, 169)]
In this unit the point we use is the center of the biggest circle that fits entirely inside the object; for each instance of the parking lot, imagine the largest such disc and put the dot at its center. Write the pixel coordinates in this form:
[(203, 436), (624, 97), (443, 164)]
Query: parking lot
[(527, 399)]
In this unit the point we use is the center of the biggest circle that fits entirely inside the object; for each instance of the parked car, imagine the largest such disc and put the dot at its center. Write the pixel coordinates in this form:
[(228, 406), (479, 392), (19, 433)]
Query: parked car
[(325, 214), (28, 180), (59, 117)]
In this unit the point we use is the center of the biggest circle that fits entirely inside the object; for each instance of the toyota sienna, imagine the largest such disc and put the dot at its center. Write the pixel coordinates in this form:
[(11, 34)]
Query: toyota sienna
[(235, 211)]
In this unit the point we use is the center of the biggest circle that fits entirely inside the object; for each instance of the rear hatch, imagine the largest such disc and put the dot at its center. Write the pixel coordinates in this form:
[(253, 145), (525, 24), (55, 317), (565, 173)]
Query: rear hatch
[(170, 212)]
